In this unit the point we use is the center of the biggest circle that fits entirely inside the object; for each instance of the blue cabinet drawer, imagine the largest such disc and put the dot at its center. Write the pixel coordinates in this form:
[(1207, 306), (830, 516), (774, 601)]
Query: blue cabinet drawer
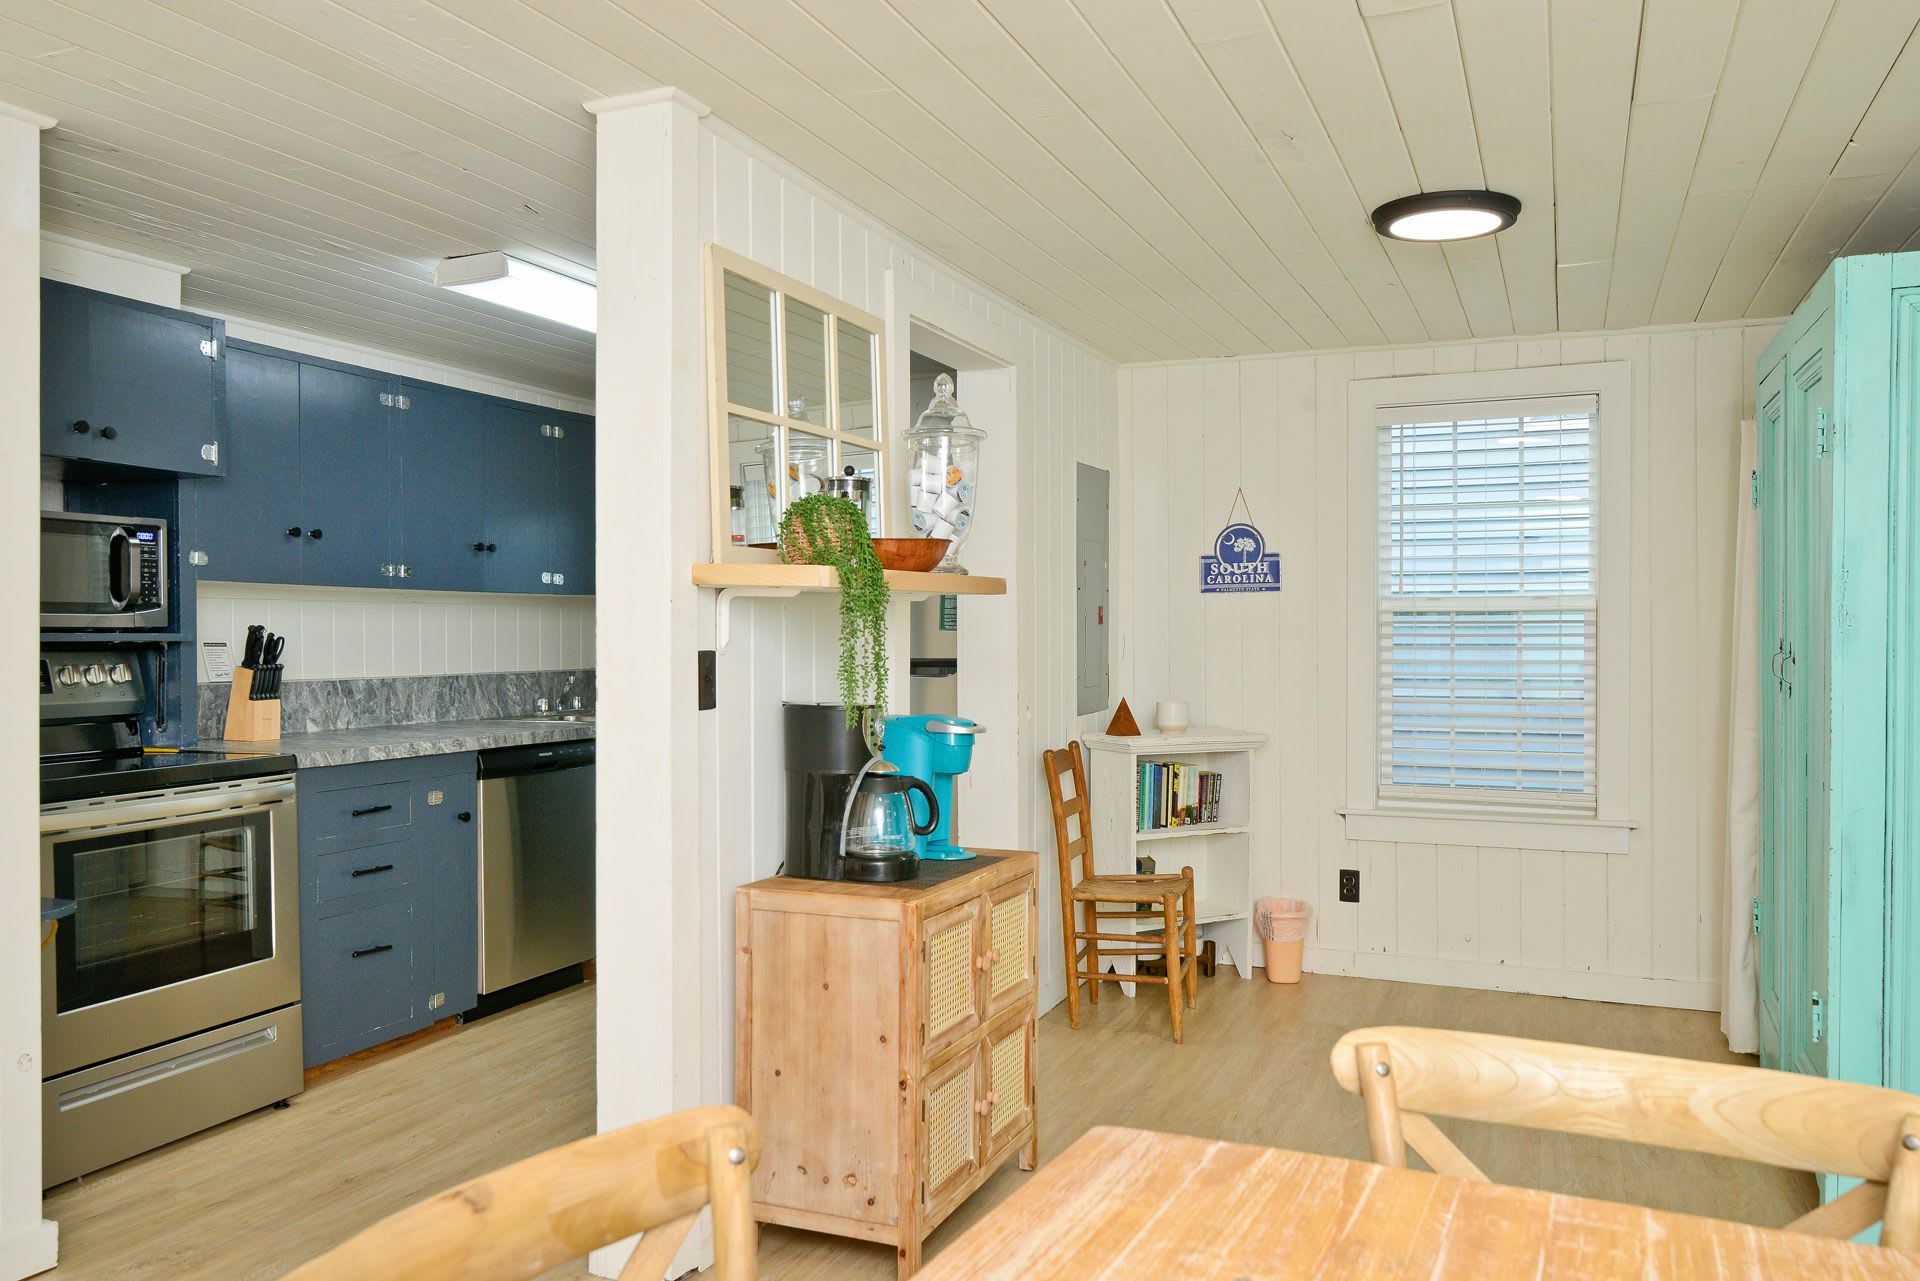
[(357, 979), (352, 818), (350, 880)]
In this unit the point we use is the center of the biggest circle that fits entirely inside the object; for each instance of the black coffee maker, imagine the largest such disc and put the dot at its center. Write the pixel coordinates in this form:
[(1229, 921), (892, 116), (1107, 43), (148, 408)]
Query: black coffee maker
[(824, 764)]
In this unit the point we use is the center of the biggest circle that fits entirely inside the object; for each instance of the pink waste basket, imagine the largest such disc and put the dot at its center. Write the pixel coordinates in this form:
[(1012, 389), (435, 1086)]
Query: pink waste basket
[(1282, 925)]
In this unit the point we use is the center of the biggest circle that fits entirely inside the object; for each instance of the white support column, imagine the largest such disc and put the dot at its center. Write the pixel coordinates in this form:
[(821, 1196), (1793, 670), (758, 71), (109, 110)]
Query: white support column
[(28, 1243), (651, 477)]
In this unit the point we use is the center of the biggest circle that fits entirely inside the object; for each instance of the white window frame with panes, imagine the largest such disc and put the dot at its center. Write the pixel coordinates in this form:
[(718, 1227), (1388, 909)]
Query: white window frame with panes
[(734, 351), (1594, 818)]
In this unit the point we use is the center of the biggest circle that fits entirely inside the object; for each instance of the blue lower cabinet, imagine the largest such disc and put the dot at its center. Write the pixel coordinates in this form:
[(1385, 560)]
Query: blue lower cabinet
[(389, 872)]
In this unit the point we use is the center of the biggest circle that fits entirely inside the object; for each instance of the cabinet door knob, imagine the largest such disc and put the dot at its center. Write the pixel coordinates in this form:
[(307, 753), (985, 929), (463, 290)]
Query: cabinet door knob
[(479, 547), (82, 426), (108, 433), (294, 531), (982, 1107), (314, 534), (466, 816)]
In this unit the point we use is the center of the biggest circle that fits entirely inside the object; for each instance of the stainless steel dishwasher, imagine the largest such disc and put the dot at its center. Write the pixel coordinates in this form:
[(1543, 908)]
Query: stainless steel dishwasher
[(536, 861)]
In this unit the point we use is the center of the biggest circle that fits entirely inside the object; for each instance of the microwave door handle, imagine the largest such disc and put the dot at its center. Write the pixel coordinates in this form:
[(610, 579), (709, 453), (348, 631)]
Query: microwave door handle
[(119, 568)]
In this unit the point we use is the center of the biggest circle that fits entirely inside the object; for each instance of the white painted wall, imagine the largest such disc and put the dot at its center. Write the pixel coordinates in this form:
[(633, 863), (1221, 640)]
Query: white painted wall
[(344, 633), (1053, 406), (1641, 926), (27, 1241)]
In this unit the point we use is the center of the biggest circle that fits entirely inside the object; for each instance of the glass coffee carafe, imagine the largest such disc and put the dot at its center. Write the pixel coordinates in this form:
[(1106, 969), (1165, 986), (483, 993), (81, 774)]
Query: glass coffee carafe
[(877, 832)]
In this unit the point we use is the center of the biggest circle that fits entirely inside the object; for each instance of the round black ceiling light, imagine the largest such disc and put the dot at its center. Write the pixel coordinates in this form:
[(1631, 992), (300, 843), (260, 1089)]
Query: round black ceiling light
[(1446, 215)]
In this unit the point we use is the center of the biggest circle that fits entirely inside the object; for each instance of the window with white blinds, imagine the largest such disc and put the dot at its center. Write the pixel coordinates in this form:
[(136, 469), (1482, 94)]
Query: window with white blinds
[(1488, 602)]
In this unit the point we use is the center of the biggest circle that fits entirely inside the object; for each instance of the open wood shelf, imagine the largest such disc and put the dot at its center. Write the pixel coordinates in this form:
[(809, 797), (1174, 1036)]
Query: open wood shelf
[(822, 578), (1190, 829)]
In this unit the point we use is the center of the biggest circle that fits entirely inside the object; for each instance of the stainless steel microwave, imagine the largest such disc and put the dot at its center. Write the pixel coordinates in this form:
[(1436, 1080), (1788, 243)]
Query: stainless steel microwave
[(102, 572)]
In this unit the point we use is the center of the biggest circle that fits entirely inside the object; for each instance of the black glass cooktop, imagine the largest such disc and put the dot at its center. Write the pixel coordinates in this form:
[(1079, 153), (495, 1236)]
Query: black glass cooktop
[(91, 777)]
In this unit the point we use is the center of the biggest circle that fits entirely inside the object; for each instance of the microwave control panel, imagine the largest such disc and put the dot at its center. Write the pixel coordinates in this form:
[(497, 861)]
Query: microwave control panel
[(147, 550)]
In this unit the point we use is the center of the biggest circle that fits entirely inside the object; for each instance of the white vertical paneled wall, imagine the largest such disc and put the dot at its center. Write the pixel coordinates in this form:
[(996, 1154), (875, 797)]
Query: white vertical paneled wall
[(784, 651), (347, 633), (1641, 926)]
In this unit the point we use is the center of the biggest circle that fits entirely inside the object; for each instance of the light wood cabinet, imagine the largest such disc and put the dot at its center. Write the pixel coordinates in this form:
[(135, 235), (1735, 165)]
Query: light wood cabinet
[(884, 1043)]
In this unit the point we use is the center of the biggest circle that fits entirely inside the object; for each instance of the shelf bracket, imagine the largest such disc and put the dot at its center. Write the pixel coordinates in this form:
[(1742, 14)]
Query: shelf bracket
[(723, 608)]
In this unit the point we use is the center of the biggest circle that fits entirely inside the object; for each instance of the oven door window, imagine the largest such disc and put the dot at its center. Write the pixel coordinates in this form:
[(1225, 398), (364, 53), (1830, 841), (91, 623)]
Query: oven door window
[(161, 906)]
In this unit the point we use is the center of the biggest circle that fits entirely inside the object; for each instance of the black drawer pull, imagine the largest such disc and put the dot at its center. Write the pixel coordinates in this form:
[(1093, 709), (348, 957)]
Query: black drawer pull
[(372, 809), (369, 951), (369, 871)]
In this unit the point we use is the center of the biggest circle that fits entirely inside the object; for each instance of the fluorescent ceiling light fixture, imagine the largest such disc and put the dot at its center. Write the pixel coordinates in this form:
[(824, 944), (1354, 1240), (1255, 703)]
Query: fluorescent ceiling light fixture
[(509, 282), (1446, 215)]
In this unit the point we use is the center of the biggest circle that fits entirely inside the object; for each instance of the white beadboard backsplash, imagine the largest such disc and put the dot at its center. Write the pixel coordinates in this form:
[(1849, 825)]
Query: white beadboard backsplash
[(343, 633)]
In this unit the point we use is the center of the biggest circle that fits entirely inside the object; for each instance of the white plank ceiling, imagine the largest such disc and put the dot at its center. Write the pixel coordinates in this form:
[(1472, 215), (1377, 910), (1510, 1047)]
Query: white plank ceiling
[(1162, 178)]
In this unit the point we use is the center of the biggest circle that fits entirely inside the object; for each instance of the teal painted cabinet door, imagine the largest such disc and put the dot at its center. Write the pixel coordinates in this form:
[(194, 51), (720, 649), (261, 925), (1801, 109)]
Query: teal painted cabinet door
[(1769, 918), (1809, 414)]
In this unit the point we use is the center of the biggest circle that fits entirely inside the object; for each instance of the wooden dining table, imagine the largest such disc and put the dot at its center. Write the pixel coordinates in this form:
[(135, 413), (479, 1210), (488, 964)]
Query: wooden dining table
[(1124, 1203)]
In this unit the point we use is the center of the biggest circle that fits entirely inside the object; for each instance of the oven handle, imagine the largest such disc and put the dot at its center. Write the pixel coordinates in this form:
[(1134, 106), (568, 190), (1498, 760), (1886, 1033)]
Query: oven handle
[(115, 816)]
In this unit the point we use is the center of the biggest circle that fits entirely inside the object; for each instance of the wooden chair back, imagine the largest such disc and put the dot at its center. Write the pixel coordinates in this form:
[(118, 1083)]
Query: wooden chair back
[(1064, 763), (528, 1218), (1778, 1118)]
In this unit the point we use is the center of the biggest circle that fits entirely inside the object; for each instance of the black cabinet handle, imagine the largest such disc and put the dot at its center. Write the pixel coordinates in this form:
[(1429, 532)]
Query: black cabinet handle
[(372, 809), (82, 426), (108, 433), (466, 816), (370, 951), (314, 534), (369, 871), (294, 531)]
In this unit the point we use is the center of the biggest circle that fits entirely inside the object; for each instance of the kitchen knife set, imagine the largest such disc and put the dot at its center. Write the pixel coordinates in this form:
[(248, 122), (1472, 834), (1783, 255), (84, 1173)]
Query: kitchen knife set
[(262, 659)]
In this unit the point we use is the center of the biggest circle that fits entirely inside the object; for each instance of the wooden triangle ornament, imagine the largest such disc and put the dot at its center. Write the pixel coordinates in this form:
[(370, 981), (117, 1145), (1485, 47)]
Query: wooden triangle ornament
[(1123, 725)]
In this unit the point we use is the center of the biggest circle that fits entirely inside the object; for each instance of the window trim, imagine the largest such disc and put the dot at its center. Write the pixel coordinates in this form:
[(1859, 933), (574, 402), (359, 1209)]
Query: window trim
[(720, 262), (1612, 382)]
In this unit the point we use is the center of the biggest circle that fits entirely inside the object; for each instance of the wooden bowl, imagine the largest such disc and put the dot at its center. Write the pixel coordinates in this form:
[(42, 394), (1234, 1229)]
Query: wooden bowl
[(915, 555)]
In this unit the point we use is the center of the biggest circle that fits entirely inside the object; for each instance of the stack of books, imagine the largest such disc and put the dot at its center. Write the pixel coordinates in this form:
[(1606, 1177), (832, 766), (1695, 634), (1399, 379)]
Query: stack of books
[(1176, 794)]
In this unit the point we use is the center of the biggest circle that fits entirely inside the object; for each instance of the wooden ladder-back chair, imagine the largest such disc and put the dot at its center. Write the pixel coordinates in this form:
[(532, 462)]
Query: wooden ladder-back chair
[(1088, 891), (533, 1215), (1776, 1118)]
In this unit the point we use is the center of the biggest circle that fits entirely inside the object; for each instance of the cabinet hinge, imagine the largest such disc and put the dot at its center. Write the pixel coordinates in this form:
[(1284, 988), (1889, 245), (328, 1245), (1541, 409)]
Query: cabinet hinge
[(1753, 478), (210, 349), (394, 400), (211, 452), (1756, 915), (1819, 1019), (1821, 442), (553, 430)]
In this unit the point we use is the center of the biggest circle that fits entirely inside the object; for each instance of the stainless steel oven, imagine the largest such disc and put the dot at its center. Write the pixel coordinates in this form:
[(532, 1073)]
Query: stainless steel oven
[(102, 572), (170, 992)]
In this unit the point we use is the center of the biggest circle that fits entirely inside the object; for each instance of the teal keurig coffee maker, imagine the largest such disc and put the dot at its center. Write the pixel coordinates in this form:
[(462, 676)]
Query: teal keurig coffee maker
[(933, 748)]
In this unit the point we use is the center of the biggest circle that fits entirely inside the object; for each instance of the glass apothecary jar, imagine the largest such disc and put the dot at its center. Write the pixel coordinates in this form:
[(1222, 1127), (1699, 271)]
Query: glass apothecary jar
[(943, 469)]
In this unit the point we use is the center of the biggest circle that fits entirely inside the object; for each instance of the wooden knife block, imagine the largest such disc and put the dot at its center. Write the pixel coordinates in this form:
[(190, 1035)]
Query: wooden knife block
[(250, 720)]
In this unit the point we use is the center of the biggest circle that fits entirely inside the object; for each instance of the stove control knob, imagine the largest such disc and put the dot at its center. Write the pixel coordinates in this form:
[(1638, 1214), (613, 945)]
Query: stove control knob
[(96, 674), (69, 675), (120, 673)]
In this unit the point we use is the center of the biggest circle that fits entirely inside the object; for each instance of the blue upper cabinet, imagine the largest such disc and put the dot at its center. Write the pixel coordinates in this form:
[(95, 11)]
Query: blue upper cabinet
[(128, 384), (521, 465), (439, 444), (347, 485), (573, 507), (248, 524), (344, 477)]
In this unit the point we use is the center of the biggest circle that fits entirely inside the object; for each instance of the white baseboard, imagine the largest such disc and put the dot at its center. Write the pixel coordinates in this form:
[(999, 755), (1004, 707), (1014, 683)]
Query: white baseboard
[(1585, 985), (25, 1253)]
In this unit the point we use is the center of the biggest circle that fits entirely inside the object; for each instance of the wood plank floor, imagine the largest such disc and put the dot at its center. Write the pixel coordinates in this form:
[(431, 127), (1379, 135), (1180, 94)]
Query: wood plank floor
[(250, 1199)]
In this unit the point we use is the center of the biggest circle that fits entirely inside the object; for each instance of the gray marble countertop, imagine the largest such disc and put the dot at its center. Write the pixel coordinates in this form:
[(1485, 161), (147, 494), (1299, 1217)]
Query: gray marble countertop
[(392, 742)]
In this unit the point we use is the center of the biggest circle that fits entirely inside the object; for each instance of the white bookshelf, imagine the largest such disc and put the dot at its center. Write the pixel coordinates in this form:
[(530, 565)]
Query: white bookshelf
[(1221, 854)]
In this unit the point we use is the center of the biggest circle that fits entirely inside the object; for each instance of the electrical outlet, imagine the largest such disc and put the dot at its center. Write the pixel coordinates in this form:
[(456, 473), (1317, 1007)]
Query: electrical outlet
[(1349, 885)]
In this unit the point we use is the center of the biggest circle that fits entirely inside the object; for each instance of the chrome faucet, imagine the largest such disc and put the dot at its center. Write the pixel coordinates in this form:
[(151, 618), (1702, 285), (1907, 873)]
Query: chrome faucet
[(542, 706)]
